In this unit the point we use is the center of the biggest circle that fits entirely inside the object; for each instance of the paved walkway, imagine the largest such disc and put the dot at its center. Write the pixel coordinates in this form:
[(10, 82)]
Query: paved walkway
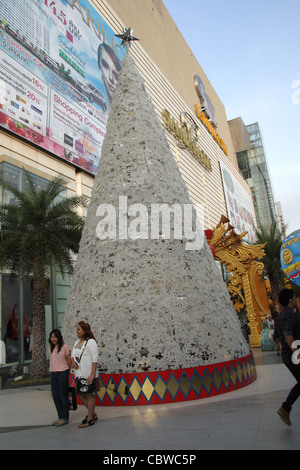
[(243, 419)]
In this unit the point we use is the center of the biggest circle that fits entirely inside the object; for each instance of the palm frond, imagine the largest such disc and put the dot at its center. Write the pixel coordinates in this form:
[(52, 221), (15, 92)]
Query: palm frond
[(272, 237), (40, 227)]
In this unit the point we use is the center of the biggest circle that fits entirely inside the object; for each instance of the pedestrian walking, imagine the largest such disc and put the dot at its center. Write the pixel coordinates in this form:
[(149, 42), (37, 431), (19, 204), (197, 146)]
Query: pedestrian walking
[(287, 330)]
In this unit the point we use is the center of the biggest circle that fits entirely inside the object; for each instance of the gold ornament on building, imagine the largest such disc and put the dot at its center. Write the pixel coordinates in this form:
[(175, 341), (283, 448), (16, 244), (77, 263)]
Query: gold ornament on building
[(246, 284)]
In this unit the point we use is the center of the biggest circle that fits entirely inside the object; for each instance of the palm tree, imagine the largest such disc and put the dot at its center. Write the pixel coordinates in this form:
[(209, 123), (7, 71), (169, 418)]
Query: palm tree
[(273, 239), (39, 231)]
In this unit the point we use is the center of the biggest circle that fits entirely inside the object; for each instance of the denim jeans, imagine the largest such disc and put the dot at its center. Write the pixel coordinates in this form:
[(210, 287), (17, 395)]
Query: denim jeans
[(59, 388), (295, 392)]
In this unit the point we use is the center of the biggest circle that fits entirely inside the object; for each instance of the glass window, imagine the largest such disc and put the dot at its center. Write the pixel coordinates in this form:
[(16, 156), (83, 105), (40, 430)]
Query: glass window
[(16, 298), (27, 304), (10, 175), (16, 325), (17, 177), (9, 324)]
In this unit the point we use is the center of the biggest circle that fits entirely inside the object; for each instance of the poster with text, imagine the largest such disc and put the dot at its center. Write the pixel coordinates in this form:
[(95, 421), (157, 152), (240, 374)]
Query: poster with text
[(239, 206), (59, 67)]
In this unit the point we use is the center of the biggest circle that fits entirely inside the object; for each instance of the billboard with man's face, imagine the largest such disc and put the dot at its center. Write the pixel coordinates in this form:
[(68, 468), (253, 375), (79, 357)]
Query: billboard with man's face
[(59, 67)]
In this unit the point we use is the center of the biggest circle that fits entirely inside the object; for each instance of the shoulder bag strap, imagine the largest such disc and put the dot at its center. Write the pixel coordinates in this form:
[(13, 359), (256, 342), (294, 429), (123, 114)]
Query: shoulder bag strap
[(82, 351)]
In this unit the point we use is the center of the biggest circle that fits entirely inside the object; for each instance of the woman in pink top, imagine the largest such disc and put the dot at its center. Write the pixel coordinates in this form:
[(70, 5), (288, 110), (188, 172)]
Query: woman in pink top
[(60, 364)]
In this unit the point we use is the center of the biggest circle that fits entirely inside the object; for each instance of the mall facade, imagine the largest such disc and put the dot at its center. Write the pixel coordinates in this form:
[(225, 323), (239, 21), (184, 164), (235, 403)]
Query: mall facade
[(59, 67)]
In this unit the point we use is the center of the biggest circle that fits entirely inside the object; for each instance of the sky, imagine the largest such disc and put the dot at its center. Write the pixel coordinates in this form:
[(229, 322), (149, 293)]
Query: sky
[(250, 52)]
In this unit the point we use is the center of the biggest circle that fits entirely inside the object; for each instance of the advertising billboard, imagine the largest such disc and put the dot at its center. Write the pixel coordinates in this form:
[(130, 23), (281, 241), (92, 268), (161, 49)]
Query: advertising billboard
[(59, 66), (290, 257), (239, 206)]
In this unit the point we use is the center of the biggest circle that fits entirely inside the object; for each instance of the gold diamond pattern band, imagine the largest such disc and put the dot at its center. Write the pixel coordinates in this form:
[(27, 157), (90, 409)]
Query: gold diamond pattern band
[(175, 385)]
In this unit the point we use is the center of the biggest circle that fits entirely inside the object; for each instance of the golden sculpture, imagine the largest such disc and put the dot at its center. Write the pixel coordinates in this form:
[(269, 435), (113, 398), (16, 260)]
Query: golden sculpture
[(246, 285)]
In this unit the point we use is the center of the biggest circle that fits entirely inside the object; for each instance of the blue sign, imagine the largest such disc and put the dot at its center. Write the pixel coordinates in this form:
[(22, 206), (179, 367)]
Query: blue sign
[(290, 257)]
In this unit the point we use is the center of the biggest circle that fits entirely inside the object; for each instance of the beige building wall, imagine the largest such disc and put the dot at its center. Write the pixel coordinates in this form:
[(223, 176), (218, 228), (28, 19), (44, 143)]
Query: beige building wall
[(240, 134)]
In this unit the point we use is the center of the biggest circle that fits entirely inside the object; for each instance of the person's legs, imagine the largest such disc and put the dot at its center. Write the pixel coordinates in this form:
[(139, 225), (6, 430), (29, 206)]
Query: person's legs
[(63, 381), (295, 391), (284, 411), (55, 393), (89, 402), (91, 407)]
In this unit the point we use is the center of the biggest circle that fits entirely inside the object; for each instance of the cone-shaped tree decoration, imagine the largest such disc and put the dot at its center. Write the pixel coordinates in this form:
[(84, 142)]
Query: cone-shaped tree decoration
[(151, 292)]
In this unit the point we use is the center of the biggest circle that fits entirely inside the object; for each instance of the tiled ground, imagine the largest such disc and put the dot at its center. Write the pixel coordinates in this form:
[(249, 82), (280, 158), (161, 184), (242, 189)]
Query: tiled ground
[(243, 419)]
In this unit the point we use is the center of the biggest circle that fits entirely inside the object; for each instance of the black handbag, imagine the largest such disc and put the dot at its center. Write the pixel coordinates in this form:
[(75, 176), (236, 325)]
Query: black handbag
[(83, 386), (72, 397)]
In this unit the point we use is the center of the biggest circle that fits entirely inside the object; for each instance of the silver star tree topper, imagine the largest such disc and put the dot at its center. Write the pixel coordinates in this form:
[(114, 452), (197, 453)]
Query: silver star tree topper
[(126, 37)]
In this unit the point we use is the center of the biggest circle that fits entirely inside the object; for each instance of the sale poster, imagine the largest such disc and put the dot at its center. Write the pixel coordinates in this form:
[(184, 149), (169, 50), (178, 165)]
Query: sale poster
[(59, 67)]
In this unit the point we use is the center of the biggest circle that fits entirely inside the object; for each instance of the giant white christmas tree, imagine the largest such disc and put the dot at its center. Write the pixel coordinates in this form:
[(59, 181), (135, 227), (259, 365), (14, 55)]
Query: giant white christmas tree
[(151, 291)]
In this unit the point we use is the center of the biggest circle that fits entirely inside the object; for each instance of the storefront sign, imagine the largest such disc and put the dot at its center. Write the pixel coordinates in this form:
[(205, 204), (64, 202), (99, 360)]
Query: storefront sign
[(56, 58), (206, 105), (206, 113), (211, 129), (185, 134)]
